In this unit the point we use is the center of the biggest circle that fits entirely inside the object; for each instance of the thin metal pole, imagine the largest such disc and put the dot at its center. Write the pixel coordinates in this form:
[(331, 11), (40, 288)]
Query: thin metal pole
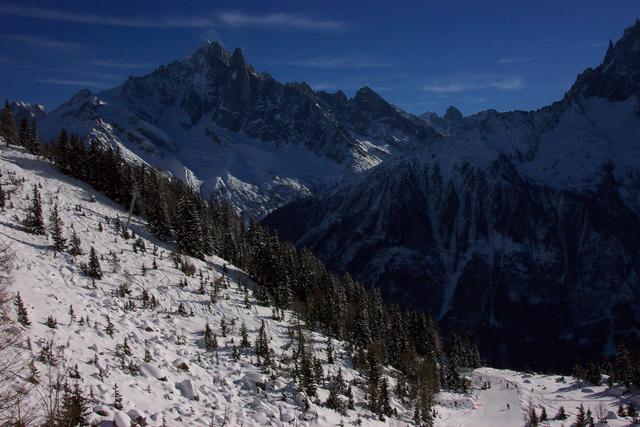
[(133, 202)]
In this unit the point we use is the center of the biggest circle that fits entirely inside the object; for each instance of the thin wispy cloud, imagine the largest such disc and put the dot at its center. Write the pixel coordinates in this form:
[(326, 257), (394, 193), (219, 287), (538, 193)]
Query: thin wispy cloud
[(87, 18), (43, 42), (339, 62), (206, 20), (518, 60), (280, 20), (473, 82), (76, 83), (119, 65)]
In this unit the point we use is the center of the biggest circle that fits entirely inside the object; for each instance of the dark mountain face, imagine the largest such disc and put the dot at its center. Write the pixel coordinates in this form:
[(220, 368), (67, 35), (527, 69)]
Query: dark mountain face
[(522, 267), (520, 228), (618, 77), (219, 125)]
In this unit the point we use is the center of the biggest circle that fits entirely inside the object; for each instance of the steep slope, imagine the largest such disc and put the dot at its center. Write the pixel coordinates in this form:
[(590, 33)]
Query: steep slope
[(516, 223), (216, 123), (182, 382)]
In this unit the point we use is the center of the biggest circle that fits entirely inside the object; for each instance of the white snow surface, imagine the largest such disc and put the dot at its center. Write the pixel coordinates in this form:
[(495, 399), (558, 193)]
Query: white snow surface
[(488, 407), (209, 391)]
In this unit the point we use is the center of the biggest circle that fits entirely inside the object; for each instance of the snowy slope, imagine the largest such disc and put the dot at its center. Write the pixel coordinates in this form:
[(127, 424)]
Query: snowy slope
[(214, 387), (488, 407)]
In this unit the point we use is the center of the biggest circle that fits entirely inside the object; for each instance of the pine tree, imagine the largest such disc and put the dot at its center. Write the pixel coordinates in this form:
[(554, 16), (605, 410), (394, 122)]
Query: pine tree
[(35, 145), (34, 222), (117, 398), (110, 328), (21, 311), (74, 245), (631, 410), (621, 412), (34, 373), (373, 381), (74, 409), (333, 401), (147, 353), (93, 269), (385, 406), (8, 126), (262, 345), (543, 415), (24, 134), (188, 225), (244, 334), (581, 418), (51, 322), (3, 198), (72, 314), (210, 340), (55, 229)]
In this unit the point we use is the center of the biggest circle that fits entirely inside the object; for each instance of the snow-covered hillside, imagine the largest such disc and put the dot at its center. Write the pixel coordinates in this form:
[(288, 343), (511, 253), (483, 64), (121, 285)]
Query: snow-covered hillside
[(487, 406), (182, 382)]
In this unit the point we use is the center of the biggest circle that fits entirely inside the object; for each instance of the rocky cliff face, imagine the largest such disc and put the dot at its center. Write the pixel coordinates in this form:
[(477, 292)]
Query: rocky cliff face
[(215, 122), (521, 228)]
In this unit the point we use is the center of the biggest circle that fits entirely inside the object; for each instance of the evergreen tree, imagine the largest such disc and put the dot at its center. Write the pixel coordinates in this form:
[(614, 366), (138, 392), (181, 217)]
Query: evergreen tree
[(262, 345), (24, 134), (147, 353), (93, 269), (543, 415), (210, 340), (55, 229), (581, 418), (3, 198), (244, 335), (188, 226), (117, 397), (74, 410), (75, 248), (374, 375), (333, 401), (35, 145), (384, 405), (21, 311), (110, 329), (34, 222), (8, 126), (631, 410)]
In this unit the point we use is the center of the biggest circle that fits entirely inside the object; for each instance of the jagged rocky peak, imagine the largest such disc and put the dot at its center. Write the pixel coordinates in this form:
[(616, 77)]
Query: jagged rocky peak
[(367, 99), (453, 114), (24, 110), (80, 95), (618, 77), (212, 52)]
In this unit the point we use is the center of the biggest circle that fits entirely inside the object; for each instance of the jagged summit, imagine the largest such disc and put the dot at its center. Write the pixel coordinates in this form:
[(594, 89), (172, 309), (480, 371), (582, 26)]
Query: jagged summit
[(216, 123), (618, 77), (453, 114)]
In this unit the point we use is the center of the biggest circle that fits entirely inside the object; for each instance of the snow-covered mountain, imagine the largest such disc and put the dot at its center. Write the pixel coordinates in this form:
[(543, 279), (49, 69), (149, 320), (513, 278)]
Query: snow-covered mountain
[(521, 227), (216, 123), (156, 355)]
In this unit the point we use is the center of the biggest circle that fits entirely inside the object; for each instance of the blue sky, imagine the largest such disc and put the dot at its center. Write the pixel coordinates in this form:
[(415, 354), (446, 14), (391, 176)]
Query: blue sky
[(419, 55)]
